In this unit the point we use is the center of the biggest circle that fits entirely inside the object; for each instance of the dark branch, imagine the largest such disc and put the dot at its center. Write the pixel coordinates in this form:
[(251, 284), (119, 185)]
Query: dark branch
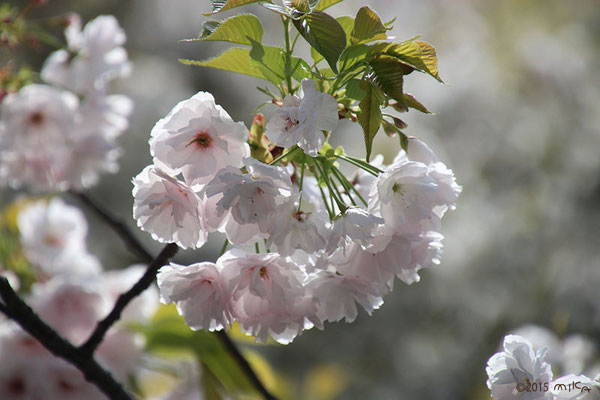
[(117, 225), (243, 363), (16, 309), (124, 299), (127, 236)]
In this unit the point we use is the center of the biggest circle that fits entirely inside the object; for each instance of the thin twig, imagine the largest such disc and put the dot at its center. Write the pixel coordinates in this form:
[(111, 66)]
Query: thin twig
[(243, 363), (16, 309), (117, 225), (124, 299)]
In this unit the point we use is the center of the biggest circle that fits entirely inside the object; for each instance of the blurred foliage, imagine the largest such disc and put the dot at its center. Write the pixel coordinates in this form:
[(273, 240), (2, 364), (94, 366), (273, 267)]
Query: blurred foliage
[(11, 254)]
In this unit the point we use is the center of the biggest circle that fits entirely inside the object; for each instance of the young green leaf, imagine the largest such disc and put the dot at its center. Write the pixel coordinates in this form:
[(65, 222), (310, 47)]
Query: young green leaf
[(370, 114), (323, 33), (429, 58), (347, 24), (420, 56), (239, 60), (323, 4), (271, 61), (411, 102), (389, 75), (352, 55), (367, 27), (223, 5), (354, 90), (238, 29)]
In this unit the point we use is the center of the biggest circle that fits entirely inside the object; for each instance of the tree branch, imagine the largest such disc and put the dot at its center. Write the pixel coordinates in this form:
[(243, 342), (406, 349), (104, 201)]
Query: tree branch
[(124, 299), (16, 309), (233, 350), (131, 242)]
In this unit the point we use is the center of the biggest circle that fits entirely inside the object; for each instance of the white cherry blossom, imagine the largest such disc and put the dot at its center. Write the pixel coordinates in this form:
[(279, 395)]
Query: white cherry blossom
[(354, 225), (337, 296), (268, 295), (292, 230), (252, 197), (53, 237), (198, 138), (99, 56), (168, 209), (518, 364), (200, 293), (301, 119)]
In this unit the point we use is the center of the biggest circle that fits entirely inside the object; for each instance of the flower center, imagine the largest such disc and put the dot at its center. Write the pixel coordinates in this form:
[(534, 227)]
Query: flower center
[(202, 140), (37, 118), (263, 272), (397, 188), (290, 123), (300, 216), (16, 386)]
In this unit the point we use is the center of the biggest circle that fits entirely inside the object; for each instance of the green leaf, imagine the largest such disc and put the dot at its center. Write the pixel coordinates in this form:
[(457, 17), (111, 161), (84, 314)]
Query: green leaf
[(411, 102), (367, 27), (223, 5), (168, 332), (370, 114), (420, 55), (347, 24), (323, 33), (267, 63), (323, 4), (277, 8), (389, 75), (272, 63), (429, 58), (354, 90), (237, 29), (353, 55)]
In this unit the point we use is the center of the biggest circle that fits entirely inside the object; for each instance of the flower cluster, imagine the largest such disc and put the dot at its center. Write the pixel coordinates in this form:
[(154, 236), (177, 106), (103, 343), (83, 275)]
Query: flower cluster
[(62, 134), (329, 242), (71, 294), (520, 371)]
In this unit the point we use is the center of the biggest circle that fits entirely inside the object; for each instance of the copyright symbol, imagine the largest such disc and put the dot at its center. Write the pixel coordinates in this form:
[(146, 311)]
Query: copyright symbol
[(520, 387)]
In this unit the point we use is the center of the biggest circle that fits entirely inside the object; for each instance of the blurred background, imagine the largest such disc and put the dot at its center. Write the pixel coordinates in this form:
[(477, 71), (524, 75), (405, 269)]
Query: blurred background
[(518, 121)]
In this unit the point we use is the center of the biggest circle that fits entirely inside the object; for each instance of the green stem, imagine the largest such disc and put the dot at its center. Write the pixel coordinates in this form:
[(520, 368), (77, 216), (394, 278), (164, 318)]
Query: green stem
[(301, 185), (284, 155), (288, 53), (362, 165), (350, 186), (329, 210), (224, 248), (256, 248), (333, 191)]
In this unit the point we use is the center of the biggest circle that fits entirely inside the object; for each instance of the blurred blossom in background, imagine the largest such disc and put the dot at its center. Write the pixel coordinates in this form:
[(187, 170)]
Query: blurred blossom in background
[(518, 122)]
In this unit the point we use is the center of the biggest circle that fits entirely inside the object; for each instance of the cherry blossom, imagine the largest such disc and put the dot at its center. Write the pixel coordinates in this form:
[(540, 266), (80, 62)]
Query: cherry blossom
[(252, 197), (168, 209), (99, 56), (337, 296), (198, 138), (200, 293), (301, 119), (267, 294), (53, 237), (518, 364)]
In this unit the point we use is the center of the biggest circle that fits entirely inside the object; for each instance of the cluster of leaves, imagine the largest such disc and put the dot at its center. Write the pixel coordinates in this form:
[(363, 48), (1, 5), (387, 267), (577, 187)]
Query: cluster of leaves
[(352, 59)]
